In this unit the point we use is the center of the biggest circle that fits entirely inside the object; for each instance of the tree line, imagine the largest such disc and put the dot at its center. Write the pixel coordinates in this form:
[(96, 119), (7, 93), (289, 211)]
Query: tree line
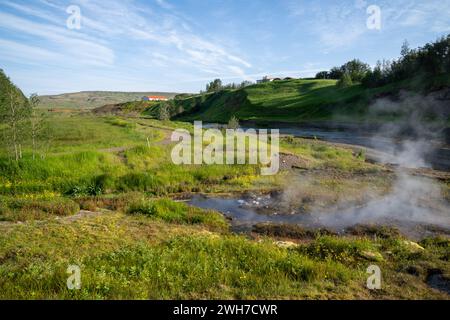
[(22, 123), (217, 85), (433, 59)]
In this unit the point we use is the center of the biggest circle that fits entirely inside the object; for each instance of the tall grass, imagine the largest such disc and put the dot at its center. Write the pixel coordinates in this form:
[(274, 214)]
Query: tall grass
[(141, 256), (175, 212), (180, 267), (79, 162)]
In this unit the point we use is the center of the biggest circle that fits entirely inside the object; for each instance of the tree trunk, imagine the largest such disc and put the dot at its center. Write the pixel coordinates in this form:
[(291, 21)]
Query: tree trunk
[(33, 137), (13, 125), (14, 140)]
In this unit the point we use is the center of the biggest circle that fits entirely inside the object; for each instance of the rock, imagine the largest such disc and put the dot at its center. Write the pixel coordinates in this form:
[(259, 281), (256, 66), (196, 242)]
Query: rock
[(209, 234), (372, 256), (413, 245), (286, 244)]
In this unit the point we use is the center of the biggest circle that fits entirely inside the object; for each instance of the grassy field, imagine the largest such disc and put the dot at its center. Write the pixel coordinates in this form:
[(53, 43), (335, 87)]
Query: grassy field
[(92, 156), (143, 257), (94, 99), (101, 195), (294, 101)]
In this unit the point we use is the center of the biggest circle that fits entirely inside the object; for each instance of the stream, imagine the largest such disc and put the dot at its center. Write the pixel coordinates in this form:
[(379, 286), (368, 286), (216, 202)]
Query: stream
[(412, 206), (381, 148), (246, 211)]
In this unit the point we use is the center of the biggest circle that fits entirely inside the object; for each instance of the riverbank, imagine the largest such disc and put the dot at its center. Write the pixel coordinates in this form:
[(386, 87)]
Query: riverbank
[(377, 139), (101, 199)]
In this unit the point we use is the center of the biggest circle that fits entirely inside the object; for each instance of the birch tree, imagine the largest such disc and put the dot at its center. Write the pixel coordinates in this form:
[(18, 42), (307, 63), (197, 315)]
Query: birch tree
[(14, 111), (37, 124)]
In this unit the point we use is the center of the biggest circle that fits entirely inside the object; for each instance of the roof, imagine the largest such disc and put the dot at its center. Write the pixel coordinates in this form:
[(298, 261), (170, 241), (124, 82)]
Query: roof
[(156, 97)]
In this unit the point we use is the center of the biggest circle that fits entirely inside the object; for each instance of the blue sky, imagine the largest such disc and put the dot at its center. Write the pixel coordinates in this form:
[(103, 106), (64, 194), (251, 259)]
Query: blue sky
[(179, 45)]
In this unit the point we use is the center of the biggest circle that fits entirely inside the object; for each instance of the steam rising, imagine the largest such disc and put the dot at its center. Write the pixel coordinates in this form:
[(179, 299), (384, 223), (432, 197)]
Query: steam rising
[(406, 144), (411, 200), (413, 203)]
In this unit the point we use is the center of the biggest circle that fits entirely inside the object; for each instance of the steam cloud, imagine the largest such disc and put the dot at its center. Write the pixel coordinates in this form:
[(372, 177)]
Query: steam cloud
[(407, 144)]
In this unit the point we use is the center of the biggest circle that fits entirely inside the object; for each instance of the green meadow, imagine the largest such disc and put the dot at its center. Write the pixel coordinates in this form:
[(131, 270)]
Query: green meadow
[(94, 99), (98, 203), (298, 100), (102, 194)]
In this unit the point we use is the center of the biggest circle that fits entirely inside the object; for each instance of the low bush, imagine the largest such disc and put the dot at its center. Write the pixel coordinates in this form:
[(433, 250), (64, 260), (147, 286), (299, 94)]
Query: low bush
[(384, 232), (288, 231), (338, 249), (177, 212), (114, 203), (32, 209)]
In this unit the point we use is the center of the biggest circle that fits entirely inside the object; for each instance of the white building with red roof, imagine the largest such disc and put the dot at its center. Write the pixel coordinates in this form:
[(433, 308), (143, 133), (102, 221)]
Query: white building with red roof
[(154, 98)]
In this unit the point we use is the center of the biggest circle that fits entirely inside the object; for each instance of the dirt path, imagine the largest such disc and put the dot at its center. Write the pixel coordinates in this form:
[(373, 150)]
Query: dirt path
[(80, 215), (120, 151), (114, 149), (167, 133)]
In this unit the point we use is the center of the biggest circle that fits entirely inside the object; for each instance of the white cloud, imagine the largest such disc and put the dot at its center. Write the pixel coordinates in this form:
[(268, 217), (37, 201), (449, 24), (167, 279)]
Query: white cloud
[(164, 4), (335, 26), (169, 30), (343, 24), (106, 25), (119, 41), (69, 43), (441, 27), (241, 73), (414, 17), (42, 14), (19, 52), (431, 15)]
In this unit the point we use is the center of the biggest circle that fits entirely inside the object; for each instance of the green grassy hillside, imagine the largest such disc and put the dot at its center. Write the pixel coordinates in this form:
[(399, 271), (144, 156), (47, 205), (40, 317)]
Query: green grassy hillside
[(293, 101), (93, 99), (133, 241)]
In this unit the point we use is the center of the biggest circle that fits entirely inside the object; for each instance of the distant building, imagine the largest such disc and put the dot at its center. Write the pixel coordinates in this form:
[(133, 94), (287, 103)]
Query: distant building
[(154, 98), (267, 79)]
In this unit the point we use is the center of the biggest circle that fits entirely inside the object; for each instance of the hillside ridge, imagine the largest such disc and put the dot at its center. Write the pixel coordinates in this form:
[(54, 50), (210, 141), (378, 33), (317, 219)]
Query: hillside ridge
[(298, 101), (94, 99)]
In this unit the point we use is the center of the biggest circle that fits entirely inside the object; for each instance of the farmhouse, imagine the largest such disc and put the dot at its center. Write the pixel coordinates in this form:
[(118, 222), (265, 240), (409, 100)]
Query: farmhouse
[(154, 98), (272, 79), (265, 79)]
